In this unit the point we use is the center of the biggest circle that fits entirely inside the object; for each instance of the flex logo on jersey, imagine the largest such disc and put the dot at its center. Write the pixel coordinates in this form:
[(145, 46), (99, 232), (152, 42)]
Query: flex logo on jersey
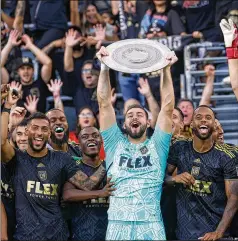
[(39, 188), (200, 187), (139, 162)]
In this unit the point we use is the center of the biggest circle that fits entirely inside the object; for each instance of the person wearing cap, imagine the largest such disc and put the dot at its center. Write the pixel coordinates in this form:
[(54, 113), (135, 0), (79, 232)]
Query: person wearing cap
[(25, 70), (135, 163)]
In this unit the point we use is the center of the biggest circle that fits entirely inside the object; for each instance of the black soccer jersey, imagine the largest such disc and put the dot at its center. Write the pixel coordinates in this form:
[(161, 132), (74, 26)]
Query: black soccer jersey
[(38, 185), (90, 217), (8, 197), (200, 206)]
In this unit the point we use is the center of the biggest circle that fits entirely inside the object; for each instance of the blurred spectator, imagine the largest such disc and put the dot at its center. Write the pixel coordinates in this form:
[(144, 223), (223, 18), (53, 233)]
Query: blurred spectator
[(74, 56), (160, 21), (25, 69), (49, 20), (187, 107), (200, 19), (92, 17), (111, 27)]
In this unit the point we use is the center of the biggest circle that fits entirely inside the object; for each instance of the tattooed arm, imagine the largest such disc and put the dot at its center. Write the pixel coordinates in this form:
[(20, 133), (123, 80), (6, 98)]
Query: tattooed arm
[(19, 15), (72, 194), (83, 182), (231, 187)]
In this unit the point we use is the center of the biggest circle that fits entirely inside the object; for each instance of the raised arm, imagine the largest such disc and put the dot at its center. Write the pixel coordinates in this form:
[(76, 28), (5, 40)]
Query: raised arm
[(107, 115), (208, 89), (74, 13), (11, 43), (230, 33), (44, 59), (7, 151), (7, 19), (19, 15), (145, 90), (164, 120), (231, 208), (55, 87), (70, 41), (59, 43)]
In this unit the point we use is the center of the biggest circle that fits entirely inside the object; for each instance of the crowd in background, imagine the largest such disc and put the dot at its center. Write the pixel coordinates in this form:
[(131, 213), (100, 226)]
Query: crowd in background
[(49, 49)]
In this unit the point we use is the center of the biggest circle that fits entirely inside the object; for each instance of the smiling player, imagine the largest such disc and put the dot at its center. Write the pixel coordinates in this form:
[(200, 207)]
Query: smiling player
[(207, 179)]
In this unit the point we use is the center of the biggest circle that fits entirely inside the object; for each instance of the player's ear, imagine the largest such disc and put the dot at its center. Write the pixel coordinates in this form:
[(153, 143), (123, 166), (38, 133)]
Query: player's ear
[(148, 123), (191, 125), (181, 125)]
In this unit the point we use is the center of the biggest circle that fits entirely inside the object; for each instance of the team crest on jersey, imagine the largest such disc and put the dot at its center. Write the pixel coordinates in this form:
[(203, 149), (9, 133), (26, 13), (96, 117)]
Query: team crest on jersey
[(143, 150), (195, 171), (42, 175), (197, 160)]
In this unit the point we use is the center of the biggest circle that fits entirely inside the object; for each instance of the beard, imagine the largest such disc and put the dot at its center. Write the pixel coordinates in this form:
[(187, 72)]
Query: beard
[(33, 148), (205, 137), (60, 142), (138, 134)]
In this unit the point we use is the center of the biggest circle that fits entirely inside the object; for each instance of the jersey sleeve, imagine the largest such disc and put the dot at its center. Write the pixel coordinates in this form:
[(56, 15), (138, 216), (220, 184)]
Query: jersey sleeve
[(230, 167), (111, 138), (162, 143), (70, 167), (173, 156)]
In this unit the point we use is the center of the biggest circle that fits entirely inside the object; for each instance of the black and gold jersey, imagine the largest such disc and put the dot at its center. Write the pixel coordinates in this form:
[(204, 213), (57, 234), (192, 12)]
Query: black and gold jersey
[(200, 206)]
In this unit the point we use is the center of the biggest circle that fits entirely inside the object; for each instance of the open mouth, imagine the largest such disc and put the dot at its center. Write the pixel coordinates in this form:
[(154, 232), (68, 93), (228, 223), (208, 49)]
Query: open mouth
[(203, 129), (91, 144), (38, 141), (59, 129)]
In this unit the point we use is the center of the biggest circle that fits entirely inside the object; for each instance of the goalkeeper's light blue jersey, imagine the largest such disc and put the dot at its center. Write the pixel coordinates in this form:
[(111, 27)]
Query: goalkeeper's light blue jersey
[(138, 172)]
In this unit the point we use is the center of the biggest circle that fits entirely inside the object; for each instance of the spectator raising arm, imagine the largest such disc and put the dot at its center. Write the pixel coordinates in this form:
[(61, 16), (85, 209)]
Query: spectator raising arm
[(7, 151), (230, 33), (70, 41), (41, 56), (144, 89), (31, 103), (19, 15), (13, 41), (164, 120), (55, 87), (208, 89), (107, 113), (74, 13), (7, 19), (59, 43)]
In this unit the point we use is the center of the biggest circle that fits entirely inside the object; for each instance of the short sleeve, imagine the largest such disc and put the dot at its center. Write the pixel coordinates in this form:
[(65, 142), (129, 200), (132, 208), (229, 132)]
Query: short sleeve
[(230, 167), (111, 138), (70, 167), (173, 156), (162, 142)]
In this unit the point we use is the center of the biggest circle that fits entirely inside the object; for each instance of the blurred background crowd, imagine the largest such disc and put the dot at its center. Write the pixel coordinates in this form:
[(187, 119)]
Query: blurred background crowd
[(60, 38)]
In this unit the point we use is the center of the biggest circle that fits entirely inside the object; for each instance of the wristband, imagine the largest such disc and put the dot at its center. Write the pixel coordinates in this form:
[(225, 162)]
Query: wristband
[(104, 67), (232, 53), (4, 109)]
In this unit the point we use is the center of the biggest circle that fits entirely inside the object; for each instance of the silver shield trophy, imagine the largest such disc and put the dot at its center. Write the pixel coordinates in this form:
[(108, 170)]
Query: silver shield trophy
[(136, 56)]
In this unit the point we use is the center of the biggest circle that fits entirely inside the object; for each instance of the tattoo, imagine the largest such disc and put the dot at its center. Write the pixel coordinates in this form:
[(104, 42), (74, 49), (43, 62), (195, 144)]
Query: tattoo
[(231, 207), (48, 48), (20, 8), (83, 182), (234, 188)]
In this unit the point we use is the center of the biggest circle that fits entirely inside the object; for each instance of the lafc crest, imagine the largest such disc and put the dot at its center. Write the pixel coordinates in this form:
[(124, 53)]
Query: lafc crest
[(195, 171), (42, 175)]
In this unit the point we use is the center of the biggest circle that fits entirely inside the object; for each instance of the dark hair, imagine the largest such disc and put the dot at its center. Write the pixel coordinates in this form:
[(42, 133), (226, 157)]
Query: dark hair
[(90, 61), (180, 112), (185, 100), (75, 28), (24, 122), (137, 106), (53, 110), (78, 128), (37, 115), (206, 106), (91, 4)]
